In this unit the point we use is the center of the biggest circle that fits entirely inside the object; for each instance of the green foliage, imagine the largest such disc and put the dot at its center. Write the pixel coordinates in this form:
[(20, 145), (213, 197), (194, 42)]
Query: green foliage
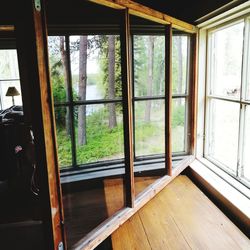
[(178, 116), (104, 64)]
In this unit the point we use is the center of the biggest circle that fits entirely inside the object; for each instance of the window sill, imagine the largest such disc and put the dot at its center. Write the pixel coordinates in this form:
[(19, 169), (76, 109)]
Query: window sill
[(228, 192)]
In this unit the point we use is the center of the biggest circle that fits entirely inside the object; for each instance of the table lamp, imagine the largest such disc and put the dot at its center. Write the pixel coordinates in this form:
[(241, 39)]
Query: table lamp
[(12, 91)]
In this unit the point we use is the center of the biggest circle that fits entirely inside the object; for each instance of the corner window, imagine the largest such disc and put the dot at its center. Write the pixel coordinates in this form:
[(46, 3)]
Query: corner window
[(227, 104)]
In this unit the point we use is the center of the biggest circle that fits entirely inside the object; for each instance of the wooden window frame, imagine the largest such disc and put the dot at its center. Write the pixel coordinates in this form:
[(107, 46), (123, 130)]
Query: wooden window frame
[(33, 55)]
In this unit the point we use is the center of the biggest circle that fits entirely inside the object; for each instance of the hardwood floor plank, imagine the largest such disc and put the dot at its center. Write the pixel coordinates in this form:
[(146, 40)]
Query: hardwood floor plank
[(179, 217)]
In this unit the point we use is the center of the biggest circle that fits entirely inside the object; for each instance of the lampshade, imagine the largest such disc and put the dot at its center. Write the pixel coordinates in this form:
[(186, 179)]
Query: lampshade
[(12, 91)]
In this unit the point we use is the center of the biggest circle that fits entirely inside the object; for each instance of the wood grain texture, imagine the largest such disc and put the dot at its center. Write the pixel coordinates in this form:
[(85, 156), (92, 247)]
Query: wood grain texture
[(194, 92), (100, 233), (38, 104), (126, 59), (180, 217), (168, 99)]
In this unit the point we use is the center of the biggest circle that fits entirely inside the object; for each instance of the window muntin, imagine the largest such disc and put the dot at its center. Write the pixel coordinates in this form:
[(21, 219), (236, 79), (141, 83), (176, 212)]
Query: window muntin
[(225, 60)]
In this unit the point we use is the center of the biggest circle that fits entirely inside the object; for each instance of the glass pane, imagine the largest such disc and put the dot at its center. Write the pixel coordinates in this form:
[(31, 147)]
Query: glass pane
[(58, 64), (226, 47), (178, 125), (223, 132), (8, 65), (63, 133), (7, 101), (149, 65), (99, 132), (96, 67), (180, 63), (246, 148), (149, 127)]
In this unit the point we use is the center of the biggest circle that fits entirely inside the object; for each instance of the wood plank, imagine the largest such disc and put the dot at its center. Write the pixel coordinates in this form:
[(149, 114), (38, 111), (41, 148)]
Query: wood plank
[(148, 13), (193, 92), (95, 237), (126, 59), (168, 99), (182, 217), (200, 221), (126, 238)]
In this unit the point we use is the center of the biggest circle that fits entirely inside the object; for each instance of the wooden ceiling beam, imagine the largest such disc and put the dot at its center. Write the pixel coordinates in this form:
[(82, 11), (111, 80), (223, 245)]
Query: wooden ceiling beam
[(147, 13)]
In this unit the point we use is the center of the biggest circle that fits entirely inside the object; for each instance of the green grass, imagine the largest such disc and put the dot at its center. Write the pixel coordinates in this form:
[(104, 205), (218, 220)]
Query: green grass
[(104, 143)]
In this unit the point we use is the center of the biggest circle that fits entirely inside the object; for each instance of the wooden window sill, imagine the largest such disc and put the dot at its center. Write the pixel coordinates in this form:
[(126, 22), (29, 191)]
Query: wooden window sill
[(231, 196)]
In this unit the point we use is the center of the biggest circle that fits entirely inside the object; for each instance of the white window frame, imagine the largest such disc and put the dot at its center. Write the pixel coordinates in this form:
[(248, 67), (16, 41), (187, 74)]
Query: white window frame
[(228, 18)]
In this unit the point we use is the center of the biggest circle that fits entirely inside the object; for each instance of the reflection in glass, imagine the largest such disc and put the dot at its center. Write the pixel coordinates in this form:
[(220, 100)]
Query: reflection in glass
[(246, 148), (223, 132), (6, 101), (99, 132), (226, 47), (178, 125), (149, 65), (149, 127), (63, 136), (8, 65), (180, 65), (59, 74), (95, 67)]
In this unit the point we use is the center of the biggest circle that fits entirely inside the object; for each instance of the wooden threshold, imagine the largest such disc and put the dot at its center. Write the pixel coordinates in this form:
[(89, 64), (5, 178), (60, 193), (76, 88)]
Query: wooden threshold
[(147, 13), (96, 236)]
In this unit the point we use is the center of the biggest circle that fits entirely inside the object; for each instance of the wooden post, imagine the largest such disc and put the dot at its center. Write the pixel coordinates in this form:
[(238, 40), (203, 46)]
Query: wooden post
[(31, 32), (193, 92), (127, 109), (168, 99)]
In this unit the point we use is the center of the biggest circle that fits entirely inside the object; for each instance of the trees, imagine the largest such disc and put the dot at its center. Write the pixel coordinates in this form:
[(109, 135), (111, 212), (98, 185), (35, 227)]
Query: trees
[(150, 76), (111, 80), (83, 46), (65, 64)]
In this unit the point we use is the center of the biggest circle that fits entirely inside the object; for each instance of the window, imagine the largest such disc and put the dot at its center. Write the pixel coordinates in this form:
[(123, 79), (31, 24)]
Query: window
[(9, 77), (86, 81), (227, 107)]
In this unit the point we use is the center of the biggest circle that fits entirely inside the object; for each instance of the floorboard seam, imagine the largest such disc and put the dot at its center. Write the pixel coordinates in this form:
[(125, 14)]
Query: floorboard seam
[(180, 231), (145, 230)]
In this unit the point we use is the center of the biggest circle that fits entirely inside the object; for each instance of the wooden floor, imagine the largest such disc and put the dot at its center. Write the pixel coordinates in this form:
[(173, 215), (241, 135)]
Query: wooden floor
[(180, 217)]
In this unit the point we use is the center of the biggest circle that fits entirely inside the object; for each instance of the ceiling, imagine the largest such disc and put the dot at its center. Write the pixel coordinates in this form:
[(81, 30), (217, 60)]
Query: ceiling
[(187, 10)]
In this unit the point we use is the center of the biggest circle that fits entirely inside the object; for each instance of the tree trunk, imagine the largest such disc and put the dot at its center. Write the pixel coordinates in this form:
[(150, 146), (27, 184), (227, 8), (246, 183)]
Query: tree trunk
[(150, 76), (82, 140), (65, 65), (111, 78), (180, 67)]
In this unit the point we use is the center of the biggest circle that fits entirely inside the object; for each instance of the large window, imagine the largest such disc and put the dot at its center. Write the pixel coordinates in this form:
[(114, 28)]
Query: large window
[(87, 90), (227, 112)]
